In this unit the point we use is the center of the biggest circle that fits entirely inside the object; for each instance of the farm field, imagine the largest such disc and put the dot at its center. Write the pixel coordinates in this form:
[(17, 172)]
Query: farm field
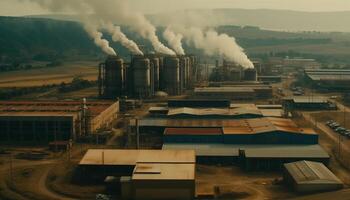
[(44, 76)]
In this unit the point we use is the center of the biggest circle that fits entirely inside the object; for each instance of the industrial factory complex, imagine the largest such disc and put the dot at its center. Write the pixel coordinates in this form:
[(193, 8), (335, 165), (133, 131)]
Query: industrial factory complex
[(171, 147), (47, 121)]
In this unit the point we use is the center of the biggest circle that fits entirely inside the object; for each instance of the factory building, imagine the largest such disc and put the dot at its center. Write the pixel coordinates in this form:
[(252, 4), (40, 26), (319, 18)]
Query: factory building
[(235, 92), (310, 177), (46, 121), (145, 75), (144, 174), (201, 103), (307, 103), (272, 157), (294, 64), (252, 157), (328, 79), (247, 131)]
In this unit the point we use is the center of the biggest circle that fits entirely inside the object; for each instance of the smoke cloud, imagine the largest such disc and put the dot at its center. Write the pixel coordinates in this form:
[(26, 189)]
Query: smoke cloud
[(119, 36), (111, 11), (213, 43), (174, 40), (97, 36)]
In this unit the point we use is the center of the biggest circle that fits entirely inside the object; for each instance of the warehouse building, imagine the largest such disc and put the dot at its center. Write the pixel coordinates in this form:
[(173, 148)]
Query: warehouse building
[(235, 92), (271, 157), (307, 103), (144, 174), (329, 79), (46, 121), (252, 157), (308, 177), (199, 103), (247, 131), (232, 111)]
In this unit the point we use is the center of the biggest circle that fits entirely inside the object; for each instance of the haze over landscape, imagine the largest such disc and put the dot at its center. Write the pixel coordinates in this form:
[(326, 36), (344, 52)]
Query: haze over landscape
[(174, 99)]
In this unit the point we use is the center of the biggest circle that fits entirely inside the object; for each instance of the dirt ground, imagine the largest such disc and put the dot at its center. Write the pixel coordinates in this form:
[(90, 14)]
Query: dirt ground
[(232, 183)]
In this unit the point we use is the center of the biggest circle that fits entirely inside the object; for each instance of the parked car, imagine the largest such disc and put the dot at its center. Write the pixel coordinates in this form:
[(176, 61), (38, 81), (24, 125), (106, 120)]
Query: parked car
[(347, 134), (330, 122), (340, 129), (297, 93), (334, 125)]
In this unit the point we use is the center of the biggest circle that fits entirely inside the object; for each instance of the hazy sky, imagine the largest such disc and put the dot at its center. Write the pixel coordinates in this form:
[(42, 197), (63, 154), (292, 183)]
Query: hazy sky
[(14, 7)]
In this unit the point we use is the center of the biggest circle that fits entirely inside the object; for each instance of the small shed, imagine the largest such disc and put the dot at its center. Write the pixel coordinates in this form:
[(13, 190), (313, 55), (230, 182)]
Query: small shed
[(308, 177)]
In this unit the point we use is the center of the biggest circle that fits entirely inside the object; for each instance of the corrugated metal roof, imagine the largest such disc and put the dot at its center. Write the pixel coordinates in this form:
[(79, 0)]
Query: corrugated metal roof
[(272, 112), (307, 172), (310, 99), (223, 90), (213, 111), (252, 151), (193, 131), (131, 157), (206, 149), (286, 151), (328, 74), (243, 126)]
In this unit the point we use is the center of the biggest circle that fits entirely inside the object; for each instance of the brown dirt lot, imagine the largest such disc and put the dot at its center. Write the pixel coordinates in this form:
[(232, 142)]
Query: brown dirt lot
[(236, 184)]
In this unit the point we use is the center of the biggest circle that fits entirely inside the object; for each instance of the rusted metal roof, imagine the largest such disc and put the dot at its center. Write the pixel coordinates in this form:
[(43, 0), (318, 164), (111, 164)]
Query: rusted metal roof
[(40, 107), (213, 111), (193, 131)]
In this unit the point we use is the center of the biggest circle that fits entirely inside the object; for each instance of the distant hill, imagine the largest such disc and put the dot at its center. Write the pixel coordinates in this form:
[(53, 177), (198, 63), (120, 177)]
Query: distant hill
[(268, 19), (24, 38), (47, 39)]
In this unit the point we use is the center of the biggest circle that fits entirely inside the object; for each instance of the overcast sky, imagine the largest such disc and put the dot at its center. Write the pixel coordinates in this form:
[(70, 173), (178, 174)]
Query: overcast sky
[(16, 8)]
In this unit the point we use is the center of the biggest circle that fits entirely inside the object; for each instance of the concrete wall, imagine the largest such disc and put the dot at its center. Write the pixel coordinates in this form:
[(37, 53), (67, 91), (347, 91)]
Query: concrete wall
[(105, 118), (170, 190)]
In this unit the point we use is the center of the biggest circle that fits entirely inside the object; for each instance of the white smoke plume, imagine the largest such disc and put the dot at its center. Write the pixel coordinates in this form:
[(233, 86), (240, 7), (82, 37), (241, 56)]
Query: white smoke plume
[(97, 36), (174, 40), (111, 11), (213, 43), (119, 36)]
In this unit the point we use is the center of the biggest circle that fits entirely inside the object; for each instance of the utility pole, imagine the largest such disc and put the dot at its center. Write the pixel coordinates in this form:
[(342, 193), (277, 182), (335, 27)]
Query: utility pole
[(137, 133), (11, 169)]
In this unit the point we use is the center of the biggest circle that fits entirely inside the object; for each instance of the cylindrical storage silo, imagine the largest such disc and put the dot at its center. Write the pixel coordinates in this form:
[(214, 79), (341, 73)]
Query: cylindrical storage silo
[(172, 75), (156, 74), (183, 67), (114, 77), (188, 69), (161, 74), (235, 75), (250, 75), (142, 77)]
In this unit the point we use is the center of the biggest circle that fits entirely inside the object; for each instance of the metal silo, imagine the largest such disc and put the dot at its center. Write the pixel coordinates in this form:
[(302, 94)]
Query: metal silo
[(235, 75), (114, 80), (250, 75), (172, 75), (155, 63), (183, 68), (141, 76)]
